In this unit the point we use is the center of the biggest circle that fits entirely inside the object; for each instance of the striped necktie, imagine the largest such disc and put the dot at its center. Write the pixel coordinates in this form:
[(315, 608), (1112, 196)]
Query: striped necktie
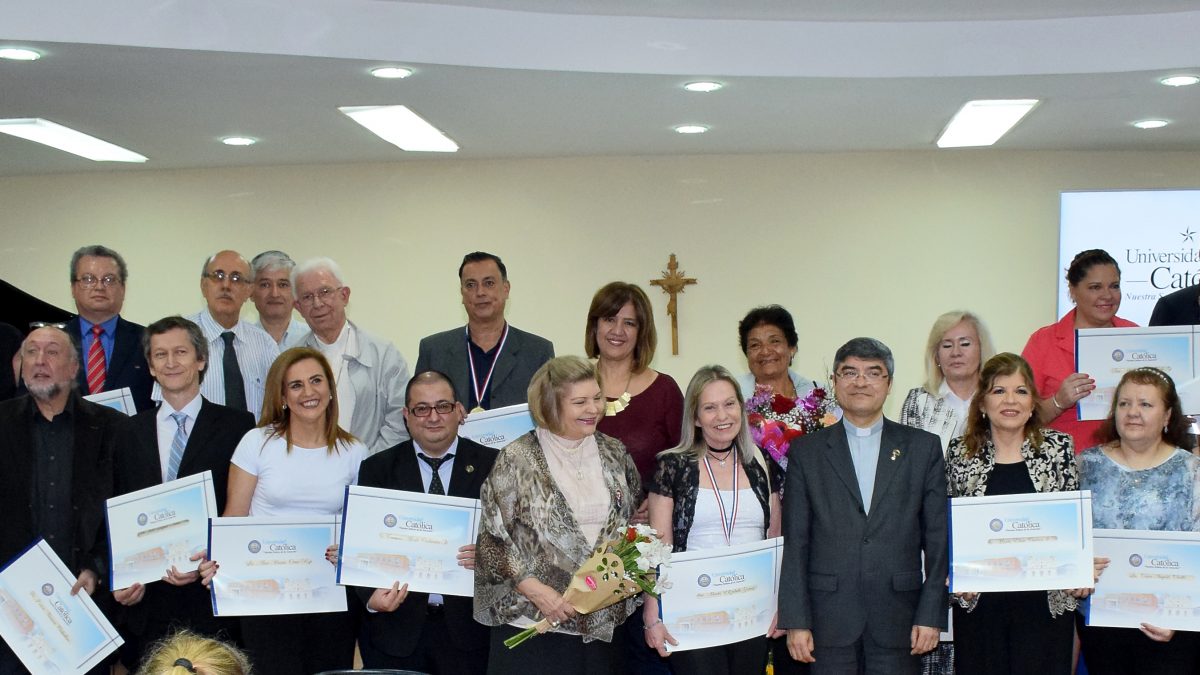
[(95, 362), (177, 445)]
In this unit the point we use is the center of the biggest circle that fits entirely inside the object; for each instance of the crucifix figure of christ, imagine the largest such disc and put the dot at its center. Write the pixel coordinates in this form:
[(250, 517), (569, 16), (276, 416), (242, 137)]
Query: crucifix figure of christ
[(673, 283)]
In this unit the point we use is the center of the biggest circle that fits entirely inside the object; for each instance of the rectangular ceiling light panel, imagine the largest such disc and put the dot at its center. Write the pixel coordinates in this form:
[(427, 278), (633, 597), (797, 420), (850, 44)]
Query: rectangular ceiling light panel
[(66, 139), (401, 127), (980, 123)]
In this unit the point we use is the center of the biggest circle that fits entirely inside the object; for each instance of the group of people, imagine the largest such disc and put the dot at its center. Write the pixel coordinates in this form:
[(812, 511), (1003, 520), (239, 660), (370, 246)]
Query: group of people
[(295, 412)]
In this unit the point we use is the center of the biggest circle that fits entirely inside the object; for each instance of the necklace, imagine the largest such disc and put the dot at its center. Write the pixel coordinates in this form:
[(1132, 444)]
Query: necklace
[(721, 460), (621, 402), (575, 459)]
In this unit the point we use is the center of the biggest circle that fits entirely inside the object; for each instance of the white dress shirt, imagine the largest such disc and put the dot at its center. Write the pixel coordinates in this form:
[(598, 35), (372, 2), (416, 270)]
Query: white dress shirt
[(167, 428)]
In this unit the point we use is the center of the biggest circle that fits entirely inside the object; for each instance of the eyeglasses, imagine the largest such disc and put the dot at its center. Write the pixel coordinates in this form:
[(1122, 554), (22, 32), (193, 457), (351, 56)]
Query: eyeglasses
[(852, 374), (307, 299), (220, 276), (34, 325), (423, 409), (89, 281)]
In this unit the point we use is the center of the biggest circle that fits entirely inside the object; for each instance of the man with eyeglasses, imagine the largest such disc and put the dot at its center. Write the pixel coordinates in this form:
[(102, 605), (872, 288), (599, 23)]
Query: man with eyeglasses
[(240, 352), (419, 631), (110, 350), (865, 555), (370, 373), (490, 361), (56, 467), (272, 296)]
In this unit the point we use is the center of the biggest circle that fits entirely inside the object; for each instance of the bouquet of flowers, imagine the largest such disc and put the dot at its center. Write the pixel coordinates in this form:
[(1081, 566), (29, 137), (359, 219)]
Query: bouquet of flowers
[(775, 420), (623, 567)]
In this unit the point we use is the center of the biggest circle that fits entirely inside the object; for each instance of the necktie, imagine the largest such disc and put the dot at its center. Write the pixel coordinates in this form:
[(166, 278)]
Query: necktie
[(235, 387), (95, 362), (177, 445), (435, 485)]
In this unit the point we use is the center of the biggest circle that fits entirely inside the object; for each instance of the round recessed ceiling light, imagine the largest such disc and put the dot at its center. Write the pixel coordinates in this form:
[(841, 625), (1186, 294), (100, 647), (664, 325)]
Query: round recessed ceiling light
[(703, 87), (239, 140), (691, 129), (1180, 80), (391, 72), (1150, 124), (19, 54)]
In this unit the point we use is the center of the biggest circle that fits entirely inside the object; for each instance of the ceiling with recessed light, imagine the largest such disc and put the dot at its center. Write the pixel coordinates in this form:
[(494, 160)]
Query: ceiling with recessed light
[(536, 78)]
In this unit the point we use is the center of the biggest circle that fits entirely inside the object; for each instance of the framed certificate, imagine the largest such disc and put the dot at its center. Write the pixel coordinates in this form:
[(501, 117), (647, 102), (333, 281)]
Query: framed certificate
[(49, 629), (274, 566), (410, 537), (152, 529), (1026, 542), (1107, 353), (1151, 578), (497, 428), (723, 595), (120, 400)]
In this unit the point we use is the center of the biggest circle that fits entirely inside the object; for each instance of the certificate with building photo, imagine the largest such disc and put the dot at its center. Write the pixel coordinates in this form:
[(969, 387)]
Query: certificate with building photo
[(1152, 577), (152, 529), (274, 566), (49, 629), (1025, 542), (1107, 353), (410, 537), (723, 595), (120, 400), (497, 428)]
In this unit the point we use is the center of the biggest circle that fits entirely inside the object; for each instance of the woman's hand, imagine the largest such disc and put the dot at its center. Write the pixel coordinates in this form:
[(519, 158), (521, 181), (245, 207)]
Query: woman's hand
[(774, 632), (331, 554), (967, 597), (1077, 386), (130, 596), (642, 515), (1098, 567), (657, 636), (1157, 634), (388, 599), (548, 601), (1079, 593), (177, 578), (208, 570), (466, 556)]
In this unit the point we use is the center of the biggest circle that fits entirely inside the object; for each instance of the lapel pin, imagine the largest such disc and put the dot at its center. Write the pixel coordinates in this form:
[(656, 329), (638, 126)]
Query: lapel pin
[(470, 468), (895, 454)]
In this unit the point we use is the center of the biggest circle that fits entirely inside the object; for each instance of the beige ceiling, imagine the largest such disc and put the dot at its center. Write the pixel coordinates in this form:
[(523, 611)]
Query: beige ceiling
[(531, 78)]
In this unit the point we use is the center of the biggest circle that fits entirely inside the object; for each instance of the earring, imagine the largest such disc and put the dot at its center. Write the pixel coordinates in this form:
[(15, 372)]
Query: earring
[(285, 406)]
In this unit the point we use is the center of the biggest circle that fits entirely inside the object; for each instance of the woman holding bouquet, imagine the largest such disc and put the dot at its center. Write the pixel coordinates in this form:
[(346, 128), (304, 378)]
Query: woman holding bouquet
[(553, 497), (714, 489), (642, 408), (1141, 478)]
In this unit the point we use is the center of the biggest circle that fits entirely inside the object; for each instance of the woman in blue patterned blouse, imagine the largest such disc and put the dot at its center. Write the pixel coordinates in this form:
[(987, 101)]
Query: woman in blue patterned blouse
[(1141, 478)]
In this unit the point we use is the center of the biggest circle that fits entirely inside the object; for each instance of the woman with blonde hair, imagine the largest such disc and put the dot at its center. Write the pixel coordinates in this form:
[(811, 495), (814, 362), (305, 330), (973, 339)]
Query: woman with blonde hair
[(186, 653)]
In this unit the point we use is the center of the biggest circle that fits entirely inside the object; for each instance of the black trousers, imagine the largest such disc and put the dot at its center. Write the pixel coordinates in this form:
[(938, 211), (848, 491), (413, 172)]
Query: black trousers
[(1115, 651), (300, 644), (555, 653), (434, 653), (747, 656), (1013, 634)]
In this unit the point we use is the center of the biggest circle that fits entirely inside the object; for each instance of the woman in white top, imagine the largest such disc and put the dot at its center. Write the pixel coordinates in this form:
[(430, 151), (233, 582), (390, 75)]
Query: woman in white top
[(715, 489), (298, 462)]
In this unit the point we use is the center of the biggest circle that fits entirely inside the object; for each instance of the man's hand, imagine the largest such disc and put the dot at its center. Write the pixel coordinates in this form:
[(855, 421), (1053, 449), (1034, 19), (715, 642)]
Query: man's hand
[(130, 596), (800, 645), (86, 581), (924, 639), (177, 578), (388, 599), (466, 556)]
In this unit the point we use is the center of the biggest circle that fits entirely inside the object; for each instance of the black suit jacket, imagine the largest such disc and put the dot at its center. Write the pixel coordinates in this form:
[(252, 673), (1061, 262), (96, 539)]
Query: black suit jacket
[(1180, 308), (522, 355), (215, 434), (852, 574), (126, 368), (396, 633), (99, 430)]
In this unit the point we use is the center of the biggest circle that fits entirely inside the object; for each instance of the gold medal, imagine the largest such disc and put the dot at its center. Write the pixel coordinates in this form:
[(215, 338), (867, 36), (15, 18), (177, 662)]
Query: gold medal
[(476, 409)]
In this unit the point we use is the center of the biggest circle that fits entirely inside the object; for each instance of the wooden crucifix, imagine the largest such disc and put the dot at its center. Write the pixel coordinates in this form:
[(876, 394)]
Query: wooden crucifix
[(673, 283)]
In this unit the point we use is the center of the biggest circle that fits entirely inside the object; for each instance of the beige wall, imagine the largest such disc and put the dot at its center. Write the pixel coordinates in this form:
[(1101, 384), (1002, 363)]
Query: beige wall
[(853, 244)]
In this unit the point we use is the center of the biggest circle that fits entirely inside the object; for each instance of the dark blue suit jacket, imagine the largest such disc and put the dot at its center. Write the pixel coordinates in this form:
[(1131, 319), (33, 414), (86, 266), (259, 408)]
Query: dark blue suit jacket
[(126, 368)]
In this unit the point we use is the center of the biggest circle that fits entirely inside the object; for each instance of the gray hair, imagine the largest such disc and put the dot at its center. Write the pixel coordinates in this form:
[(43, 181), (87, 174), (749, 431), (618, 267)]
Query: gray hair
[(98, 251), (691, 442), (314, 264), (169, 323), (867, 349), (271, 260)]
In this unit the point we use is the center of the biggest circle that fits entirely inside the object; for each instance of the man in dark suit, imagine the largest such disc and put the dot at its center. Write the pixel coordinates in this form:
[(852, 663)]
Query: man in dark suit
[(489, 361), (419, 631), (864, 499), (186, 435), (98, 276), (1179, 308), (56, 467)]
